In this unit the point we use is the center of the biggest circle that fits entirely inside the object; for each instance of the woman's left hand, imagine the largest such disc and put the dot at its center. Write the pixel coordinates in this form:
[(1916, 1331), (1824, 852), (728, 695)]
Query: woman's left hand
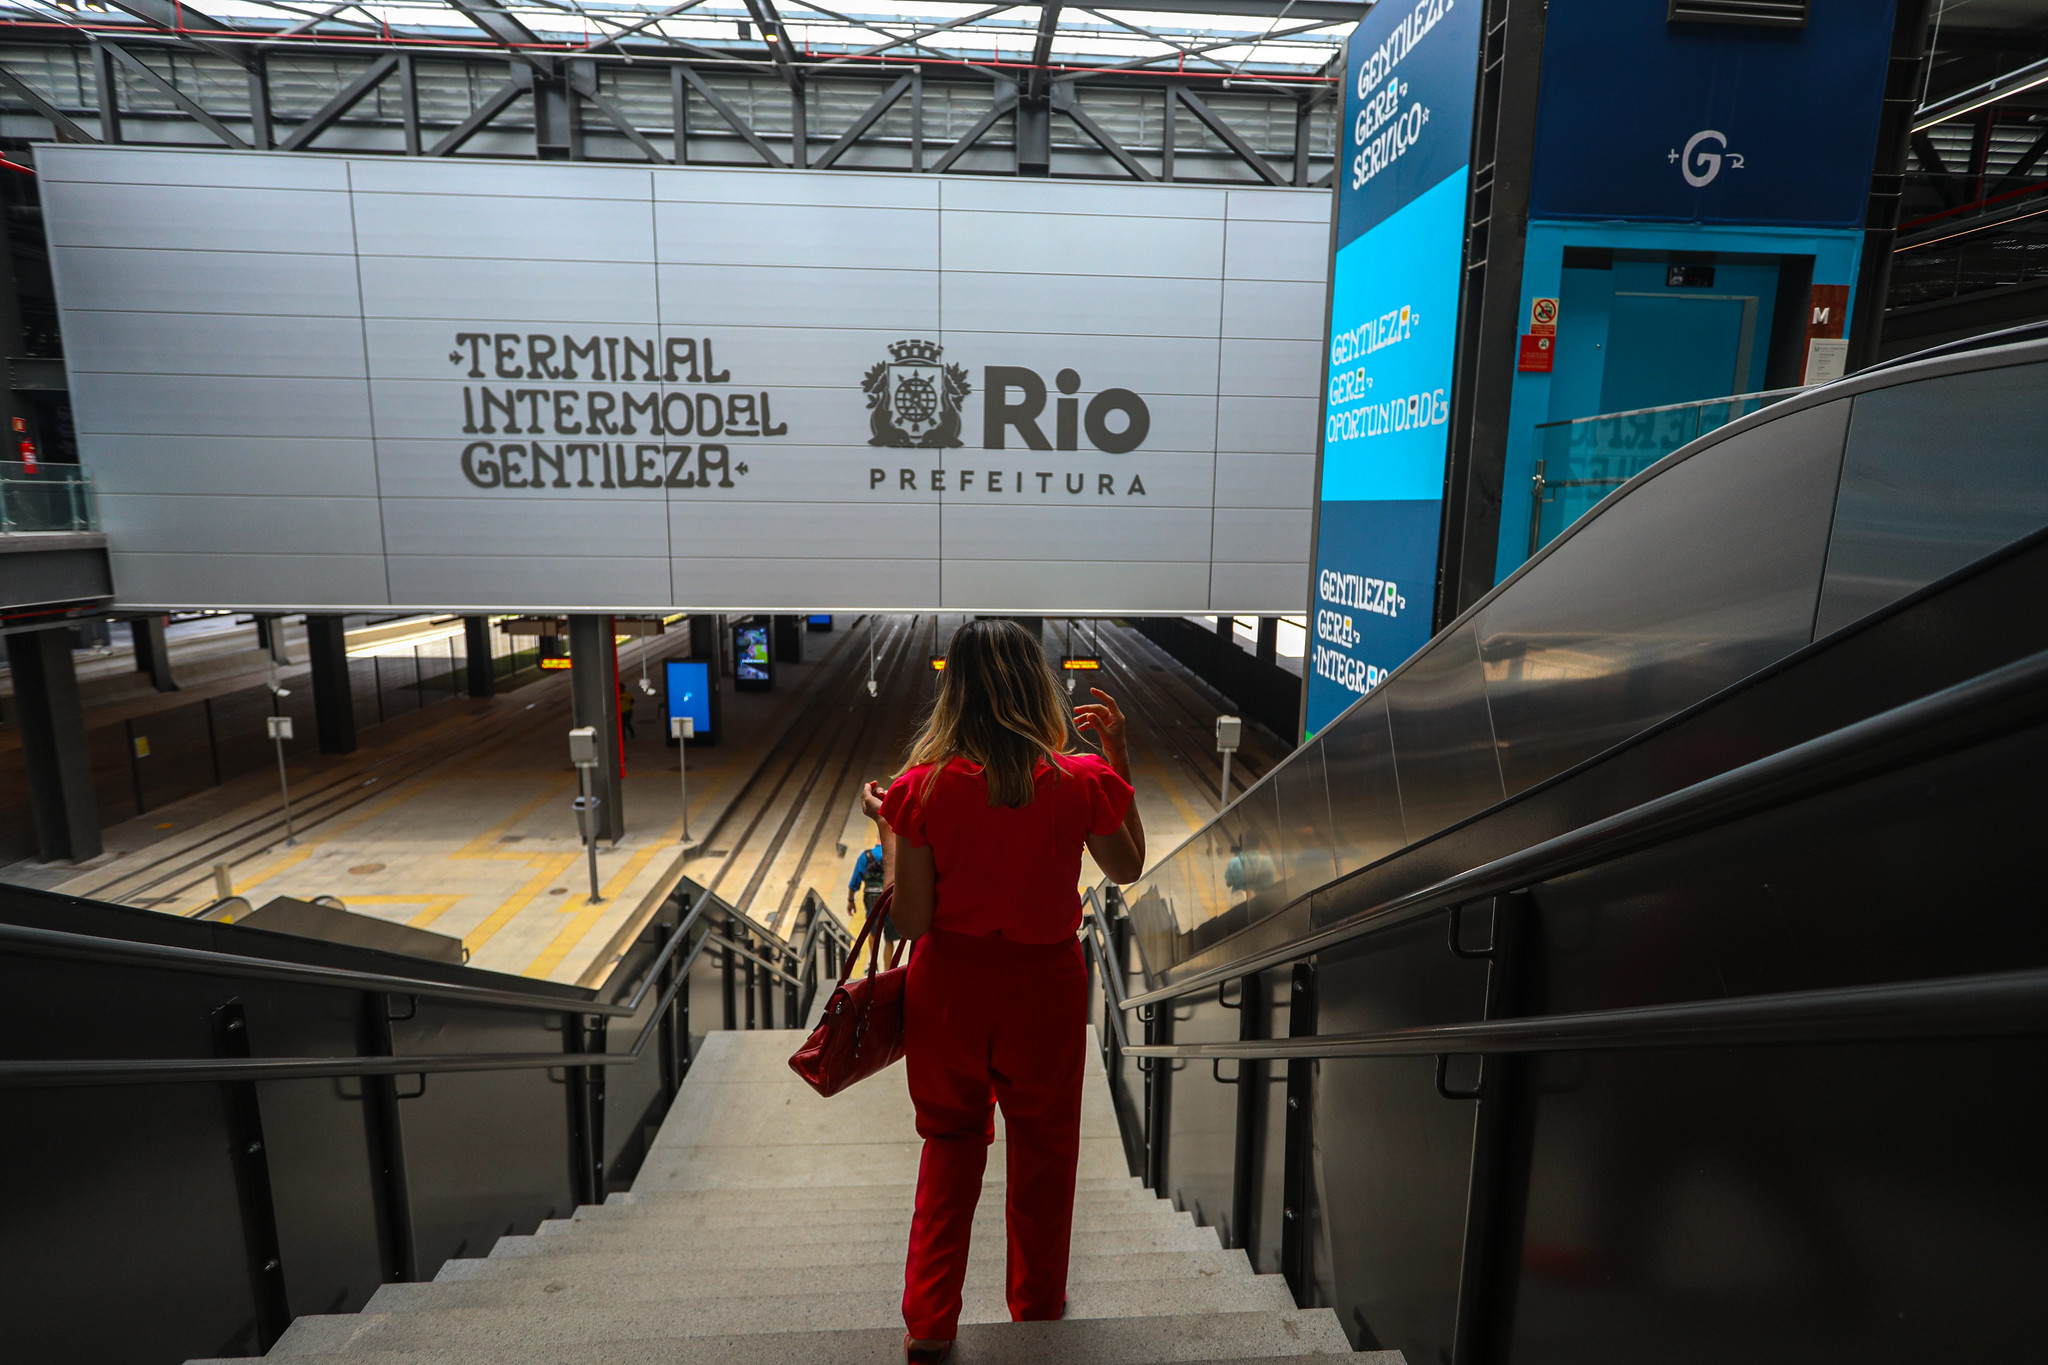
[(871, 801)]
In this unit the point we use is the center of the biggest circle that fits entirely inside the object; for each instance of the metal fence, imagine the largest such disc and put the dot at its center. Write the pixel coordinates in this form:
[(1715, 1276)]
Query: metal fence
[(1586, 458), (46, 497)]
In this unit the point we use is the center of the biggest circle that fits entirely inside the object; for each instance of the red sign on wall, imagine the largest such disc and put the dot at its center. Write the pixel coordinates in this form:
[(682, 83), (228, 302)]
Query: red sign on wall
[(1537, 352)]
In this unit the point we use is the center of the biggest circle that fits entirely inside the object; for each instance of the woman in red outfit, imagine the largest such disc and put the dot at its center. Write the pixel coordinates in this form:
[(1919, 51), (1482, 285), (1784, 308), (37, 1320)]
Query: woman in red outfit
[(985, 831)]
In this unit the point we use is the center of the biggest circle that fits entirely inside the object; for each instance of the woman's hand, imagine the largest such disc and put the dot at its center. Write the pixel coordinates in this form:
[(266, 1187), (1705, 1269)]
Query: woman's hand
[(871, 801), (1106, 719)]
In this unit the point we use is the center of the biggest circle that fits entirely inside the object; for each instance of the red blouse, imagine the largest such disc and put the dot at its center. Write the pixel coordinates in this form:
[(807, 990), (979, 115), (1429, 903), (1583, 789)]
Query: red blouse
[(1011, 872)]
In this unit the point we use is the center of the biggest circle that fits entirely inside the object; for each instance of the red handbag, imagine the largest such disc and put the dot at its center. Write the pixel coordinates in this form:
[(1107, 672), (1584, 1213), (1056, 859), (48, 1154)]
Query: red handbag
[(862, 1029)]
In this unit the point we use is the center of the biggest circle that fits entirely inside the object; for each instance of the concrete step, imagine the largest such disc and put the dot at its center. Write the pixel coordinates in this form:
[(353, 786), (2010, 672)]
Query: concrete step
[(881, 1202), (809, 1309), (846, 1196), (863, 1163), (496, 1338), (826, 1224), (630, 1279), (684, 1256)]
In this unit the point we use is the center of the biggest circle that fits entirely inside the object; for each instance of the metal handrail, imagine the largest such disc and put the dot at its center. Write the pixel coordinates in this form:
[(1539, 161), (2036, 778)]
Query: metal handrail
[(2000, 1004), (170, 1069), (85, 947), (1098, 931), (772, 968), (1966, 713)]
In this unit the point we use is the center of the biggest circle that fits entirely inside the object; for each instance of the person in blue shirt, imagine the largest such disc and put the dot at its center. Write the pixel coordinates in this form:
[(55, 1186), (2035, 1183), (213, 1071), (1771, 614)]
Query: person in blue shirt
[(870, 875)]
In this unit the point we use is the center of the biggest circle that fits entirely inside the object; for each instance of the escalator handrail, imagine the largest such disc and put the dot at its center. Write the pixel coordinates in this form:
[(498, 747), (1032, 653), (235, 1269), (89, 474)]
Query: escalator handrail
[(1997, 1004), (1970, 712)]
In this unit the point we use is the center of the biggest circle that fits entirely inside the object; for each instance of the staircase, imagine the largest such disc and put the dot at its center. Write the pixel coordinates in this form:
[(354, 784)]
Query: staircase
[(767, 1227)]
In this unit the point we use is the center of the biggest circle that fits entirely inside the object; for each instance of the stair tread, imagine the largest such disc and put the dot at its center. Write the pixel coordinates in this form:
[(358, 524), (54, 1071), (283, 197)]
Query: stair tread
[(565, 1304), (389, 1339), (984, 1265)]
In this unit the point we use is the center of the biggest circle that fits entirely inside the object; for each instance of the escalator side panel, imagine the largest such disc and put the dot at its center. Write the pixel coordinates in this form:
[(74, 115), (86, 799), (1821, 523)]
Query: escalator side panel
[(1924, 494), (1689, 582), (1444, 750)]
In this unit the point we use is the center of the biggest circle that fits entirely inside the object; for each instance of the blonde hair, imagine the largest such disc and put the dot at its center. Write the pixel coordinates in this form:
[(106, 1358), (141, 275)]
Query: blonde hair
[(999, 706)]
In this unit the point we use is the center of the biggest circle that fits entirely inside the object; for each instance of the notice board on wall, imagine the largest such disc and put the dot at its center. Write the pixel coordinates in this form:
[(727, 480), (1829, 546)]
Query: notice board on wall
[(363, 383), (1410, 74)]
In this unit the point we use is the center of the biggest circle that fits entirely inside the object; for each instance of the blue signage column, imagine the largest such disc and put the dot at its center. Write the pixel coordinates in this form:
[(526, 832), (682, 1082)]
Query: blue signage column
[(1410, 74)]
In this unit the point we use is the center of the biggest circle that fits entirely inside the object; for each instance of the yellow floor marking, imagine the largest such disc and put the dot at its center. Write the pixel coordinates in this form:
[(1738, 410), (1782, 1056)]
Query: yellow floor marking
[(437, 906), (588, 914), (551, 865)]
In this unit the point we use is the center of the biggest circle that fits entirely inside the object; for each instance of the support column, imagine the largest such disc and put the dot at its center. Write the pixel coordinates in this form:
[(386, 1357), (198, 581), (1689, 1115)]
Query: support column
[(52, 724), (152, 656), (1226, 627), (594, 689), (476, 644), (334, 706), (788, 634), (1269, 640)]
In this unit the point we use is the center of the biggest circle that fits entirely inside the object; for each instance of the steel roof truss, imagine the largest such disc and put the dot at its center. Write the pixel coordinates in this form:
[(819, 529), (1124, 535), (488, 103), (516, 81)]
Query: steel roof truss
[(732, 118), (866, 121), (1065, 101), (67, 131), (177, 96), (350, 96), (1202, 111), (1005, 103), (583, 82), (497, 102)]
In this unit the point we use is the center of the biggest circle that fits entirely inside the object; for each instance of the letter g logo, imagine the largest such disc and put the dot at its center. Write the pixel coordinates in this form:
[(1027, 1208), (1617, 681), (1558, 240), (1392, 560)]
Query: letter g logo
[(1699, 165)]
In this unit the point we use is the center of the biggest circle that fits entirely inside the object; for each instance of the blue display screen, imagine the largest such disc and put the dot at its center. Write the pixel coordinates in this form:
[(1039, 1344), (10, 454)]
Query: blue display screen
[(819, 620), (1410, 71), (689, 692)]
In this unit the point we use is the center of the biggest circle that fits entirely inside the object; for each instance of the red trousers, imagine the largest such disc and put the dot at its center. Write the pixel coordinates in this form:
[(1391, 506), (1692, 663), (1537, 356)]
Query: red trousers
[(989, 1021)]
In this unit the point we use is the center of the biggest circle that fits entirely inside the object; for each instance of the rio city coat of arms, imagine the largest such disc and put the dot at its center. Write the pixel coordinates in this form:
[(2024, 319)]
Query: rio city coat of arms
[(913, 399)]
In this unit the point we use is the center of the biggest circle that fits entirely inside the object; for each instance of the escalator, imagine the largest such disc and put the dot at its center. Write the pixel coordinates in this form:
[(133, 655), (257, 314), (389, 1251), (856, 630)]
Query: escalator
[(1652, 967)]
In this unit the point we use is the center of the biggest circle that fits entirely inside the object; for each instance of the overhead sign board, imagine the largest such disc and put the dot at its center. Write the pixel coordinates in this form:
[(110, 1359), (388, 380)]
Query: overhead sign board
[(1649, 120), (377, 382), (1394, 282)]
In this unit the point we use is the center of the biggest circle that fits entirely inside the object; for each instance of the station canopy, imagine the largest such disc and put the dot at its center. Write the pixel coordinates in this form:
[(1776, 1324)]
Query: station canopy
[(1279, 43)]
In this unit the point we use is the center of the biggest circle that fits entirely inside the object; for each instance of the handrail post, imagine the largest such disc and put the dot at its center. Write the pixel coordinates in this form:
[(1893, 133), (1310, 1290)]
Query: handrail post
[(1251, 1107), (1498, 1187), (1294, 1179)]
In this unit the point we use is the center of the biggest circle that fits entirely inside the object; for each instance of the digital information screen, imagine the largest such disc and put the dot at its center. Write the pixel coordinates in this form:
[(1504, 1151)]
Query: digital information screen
[(751, 667), (1411, 72), (689, 693)]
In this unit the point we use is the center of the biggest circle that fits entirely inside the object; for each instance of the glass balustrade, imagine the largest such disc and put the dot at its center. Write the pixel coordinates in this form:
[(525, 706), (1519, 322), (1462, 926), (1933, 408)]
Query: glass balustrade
[(45, 497), (1581, 461)]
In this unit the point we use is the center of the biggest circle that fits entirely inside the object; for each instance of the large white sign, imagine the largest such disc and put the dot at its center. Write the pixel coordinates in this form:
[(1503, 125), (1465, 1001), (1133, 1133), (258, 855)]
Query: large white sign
[(372, 382)]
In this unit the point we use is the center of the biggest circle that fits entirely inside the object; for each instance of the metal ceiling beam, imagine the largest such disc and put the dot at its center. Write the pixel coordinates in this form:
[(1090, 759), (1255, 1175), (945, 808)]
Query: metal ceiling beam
[(914, 39), (1327, 11), (1041, 51), (776, 36), (1065, 101), (866, 121), (1005, 103), (349, 97), (583, 82), (26, 93), (671, 12), (177, 96), (732, 118), (1229, 135), (495, 103), (181, 19), (503, 26)]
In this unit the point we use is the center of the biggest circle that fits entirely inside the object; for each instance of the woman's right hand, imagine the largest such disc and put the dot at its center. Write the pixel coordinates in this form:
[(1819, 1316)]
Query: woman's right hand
[(1105, 718), (871, 801)]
